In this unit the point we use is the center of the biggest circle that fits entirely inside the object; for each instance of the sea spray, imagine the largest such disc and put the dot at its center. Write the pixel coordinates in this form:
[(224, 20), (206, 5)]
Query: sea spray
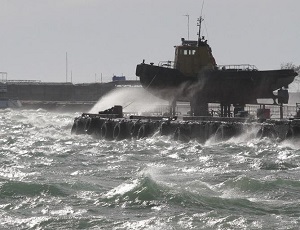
[(132, 99)]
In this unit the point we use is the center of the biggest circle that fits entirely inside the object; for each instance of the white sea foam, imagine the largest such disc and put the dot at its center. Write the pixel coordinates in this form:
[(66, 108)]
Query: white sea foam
[(153, 223), (122, 189)]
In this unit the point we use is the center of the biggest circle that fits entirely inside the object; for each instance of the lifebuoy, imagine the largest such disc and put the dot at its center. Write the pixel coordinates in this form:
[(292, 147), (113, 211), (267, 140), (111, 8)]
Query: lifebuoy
[(182, 134), (135, 129), (120, 131), (91, 125), (293, 132), (97, 127), (107, 130), (88, 127), (267, 131), (143, 131)]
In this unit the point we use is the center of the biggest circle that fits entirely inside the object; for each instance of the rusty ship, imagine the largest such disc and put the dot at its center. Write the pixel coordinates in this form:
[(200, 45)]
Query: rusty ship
[(195, 77)]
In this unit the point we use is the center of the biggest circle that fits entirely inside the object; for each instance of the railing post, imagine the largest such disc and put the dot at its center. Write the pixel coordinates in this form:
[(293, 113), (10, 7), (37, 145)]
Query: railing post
[(281, 111)]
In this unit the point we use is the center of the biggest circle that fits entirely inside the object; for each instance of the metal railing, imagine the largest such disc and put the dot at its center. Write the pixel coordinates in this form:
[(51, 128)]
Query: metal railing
[(24, 81), (183, 109), (241, 67), (167, 64)]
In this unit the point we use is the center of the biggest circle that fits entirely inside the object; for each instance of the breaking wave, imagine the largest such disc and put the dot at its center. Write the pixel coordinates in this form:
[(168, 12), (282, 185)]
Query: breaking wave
[(50, 179)]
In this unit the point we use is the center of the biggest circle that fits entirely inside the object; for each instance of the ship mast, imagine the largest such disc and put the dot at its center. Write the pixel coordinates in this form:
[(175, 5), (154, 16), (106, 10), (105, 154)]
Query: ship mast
[(200, 20)]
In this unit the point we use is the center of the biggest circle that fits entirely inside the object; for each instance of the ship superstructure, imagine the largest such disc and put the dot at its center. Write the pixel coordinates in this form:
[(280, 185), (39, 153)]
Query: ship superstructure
[(194, 76)]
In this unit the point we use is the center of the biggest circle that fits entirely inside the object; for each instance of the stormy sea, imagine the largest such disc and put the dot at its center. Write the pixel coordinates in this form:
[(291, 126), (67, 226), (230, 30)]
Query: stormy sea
[(50, 179)]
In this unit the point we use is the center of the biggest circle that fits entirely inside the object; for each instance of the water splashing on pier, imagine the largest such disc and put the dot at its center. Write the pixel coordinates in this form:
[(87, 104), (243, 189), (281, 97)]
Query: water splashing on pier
[(133, 99)]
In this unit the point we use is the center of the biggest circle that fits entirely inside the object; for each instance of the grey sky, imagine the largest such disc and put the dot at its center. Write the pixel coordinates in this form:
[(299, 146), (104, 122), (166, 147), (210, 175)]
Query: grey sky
[(112, 36)]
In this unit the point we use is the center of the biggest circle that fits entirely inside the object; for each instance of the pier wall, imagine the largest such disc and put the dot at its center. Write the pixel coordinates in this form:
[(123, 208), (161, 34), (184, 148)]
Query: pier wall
[(58, 91), (202, 129), (44, 91), (61, 96)]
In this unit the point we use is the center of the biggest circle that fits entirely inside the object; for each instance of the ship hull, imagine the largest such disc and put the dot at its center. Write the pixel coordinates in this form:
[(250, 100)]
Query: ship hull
[(213, 86)]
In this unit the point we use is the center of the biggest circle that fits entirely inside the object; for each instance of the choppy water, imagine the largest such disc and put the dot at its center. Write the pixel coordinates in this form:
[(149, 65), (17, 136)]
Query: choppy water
[(50, 179)]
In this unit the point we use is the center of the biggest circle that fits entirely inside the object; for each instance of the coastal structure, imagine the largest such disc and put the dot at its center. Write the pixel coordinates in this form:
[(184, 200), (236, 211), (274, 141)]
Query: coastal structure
[(60, 95), (195, 77), (5, 100)]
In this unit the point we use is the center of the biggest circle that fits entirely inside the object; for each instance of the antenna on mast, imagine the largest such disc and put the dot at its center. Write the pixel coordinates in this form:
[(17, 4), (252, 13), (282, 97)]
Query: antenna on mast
[(200, 20), (202, 8), (188, 25)]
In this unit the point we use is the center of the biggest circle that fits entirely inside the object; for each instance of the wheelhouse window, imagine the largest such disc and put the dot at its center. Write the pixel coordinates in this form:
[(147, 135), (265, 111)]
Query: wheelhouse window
[(186, 52), (189, 52)]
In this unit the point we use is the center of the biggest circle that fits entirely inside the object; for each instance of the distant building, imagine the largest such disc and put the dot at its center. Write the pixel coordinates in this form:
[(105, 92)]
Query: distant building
[(118, 78)]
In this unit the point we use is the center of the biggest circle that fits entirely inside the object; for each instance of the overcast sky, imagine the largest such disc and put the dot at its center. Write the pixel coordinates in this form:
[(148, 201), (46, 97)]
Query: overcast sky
[(113, 36)]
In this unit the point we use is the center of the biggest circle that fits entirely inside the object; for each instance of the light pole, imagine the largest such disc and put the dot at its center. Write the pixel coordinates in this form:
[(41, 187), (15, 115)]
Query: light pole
[(66, 66)]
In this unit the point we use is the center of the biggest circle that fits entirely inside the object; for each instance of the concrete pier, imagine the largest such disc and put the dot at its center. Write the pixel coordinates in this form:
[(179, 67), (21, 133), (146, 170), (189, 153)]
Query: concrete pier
[(107, 126)]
